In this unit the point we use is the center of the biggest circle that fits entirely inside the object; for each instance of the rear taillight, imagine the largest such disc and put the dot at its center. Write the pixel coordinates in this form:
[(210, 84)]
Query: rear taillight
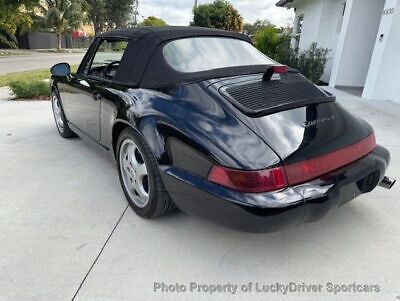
[(249, 181), (303, 171), (280, 177)]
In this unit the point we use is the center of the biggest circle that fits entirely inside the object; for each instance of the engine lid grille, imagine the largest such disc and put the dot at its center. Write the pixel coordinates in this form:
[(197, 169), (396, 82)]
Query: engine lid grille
[(265, 97)]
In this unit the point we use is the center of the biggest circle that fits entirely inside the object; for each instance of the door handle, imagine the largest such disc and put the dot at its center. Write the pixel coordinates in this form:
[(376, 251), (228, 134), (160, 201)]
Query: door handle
[(96, 96)]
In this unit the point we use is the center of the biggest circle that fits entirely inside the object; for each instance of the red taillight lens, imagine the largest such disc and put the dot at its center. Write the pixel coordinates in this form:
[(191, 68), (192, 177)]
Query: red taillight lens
[(280, 69), (303, 171), (280, 177), (249, 181)]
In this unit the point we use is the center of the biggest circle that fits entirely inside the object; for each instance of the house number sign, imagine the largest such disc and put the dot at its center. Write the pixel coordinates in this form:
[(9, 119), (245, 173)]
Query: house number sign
[(388, 11)]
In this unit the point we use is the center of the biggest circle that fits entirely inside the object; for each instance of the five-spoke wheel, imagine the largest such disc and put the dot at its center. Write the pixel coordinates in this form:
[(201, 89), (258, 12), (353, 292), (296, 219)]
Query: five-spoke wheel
[(134, 173), (59, 116), (57, 111), (140, 177)]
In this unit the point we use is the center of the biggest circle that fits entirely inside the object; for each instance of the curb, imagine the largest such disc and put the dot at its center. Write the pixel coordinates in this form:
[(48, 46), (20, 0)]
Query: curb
[(5, 93)]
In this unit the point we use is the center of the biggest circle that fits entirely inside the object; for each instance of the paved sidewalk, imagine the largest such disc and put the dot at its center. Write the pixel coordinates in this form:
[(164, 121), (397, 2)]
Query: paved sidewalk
[(64, 229)]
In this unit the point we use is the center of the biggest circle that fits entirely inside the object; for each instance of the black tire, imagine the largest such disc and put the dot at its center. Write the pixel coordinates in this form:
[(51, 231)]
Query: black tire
[(64, 130), (159, 203)]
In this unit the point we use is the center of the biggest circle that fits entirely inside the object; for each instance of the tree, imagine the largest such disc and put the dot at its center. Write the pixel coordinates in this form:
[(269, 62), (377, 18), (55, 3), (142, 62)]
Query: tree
[(96, 10), (118, 13), (153, 21), (63, 16), (109, 14), (273, 42), (219, 14), (251, 29), (14, 14)]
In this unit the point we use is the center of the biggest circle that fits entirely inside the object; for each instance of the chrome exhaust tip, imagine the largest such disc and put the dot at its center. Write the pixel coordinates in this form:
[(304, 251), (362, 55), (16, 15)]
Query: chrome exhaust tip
[(387, 182)]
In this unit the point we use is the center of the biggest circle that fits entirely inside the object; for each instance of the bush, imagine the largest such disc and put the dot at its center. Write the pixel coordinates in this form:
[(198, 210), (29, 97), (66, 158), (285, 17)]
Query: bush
[(30, 89), (252, 29), (310, 62), (271, 41), (276, 44), (29, 76)]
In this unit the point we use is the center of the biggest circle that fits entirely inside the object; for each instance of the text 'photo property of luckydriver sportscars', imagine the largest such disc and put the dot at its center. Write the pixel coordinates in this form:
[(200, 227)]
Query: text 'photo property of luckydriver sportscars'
[(199, 119)]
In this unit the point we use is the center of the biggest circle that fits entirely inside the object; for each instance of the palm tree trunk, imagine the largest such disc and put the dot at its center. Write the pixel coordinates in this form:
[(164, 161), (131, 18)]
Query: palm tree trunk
[(58, 41), (97, 28)]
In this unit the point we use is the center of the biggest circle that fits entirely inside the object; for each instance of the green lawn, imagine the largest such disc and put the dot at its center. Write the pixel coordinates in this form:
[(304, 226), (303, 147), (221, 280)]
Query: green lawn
[(29, 84), (29, 76)]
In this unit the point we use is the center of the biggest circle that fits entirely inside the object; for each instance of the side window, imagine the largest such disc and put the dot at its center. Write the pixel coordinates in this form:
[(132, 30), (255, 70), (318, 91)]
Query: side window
[(106, 59)]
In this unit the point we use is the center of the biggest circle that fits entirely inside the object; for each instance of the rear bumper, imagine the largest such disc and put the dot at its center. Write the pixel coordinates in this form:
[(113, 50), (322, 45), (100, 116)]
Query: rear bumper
[(272, 211)]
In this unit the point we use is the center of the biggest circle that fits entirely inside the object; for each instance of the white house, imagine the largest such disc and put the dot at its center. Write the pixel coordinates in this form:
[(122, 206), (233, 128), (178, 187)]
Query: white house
[(364, 39)]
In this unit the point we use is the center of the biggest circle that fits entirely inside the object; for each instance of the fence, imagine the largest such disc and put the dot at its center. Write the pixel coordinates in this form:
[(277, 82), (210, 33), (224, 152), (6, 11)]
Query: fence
[(81, 42)]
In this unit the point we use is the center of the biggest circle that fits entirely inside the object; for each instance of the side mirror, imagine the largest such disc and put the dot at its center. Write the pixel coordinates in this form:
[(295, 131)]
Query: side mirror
[(61, 70)]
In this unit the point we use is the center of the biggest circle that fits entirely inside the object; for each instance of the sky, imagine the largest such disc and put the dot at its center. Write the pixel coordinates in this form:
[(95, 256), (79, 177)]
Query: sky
[(179, 12)]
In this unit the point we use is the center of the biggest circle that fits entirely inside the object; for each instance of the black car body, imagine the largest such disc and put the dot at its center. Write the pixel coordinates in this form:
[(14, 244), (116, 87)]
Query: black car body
[(253, 146)]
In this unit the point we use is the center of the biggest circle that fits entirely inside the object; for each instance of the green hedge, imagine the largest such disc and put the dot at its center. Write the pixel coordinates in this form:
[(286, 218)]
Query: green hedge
[(275, 43), (32, 75), (30, 89)]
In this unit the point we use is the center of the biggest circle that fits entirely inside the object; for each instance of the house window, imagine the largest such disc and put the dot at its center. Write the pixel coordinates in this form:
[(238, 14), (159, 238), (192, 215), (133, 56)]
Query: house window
[(299, 30)]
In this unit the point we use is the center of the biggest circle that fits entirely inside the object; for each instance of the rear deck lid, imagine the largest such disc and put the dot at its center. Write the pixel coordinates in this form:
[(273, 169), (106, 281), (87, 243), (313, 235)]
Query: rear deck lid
[(262, 97), (297, 119)]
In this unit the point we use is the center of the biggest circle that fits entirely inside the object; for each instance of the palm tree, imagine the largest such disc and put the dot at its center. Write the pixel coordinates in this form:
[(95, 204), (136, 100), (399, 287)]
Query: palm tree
[(15, 16), (62, 16)]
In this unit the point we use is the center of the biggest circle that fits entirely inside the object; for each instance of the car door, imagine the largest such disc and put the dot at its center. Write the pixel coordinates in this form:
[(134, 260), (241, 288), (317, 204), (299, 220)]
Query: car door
[(84, 91)]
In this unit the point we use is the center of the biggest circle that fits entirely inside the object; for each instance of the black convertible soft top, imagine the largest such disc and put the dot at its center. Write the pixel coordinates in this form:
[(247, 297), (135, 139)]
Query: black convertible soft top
[(143, 64), (166, 33)]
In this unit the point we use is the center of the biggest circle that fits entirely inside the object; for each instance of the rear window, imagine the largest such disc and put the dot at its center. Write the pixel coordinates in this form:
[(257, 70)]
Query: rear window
[(207, 53)]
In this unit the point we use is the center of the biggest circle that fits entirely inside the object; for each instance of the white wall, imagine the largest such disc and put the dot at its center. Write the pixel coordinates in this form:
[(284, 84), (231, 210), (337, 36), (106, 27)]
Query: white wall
[(328, 31), (356, 42), (383, 81), (311, 9), (321, 24)]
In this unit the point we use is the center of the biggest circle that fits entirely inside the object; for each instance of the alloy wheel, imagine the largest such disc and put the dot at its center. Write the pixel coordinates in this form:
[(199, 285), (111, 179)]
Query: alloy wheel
[(57, 111), (134, 173)]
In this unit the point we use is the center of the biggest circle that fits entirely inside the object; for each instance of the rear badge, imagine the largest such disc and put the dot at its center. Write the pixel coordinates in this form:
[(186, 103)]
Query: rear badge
[(315, 122)]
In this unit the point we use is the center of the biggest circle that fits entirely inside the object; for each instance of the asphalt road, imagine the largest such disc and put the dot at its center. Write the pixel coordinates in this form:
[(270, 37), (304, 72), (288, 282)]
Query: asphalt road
[(65, 229), (36, 60)]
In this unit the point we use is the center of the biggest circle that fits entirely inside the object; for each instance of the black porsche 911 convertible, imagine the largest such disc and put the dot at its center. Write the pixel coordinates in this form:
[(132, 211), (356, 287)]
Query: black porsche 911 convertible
[(200, 119)]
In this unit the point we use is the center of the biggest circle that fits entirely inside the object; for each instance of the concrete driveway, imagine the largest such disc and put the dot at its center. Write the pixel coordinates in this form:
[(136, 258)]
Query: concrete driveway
[(65, 229)]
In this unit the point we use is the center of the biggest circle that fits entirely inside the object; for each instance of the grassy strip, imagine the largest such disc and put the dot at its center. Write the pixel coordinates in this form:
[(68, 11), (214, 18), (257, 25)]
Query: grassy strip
[(34, 75), (28, 76), (36, 89)]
